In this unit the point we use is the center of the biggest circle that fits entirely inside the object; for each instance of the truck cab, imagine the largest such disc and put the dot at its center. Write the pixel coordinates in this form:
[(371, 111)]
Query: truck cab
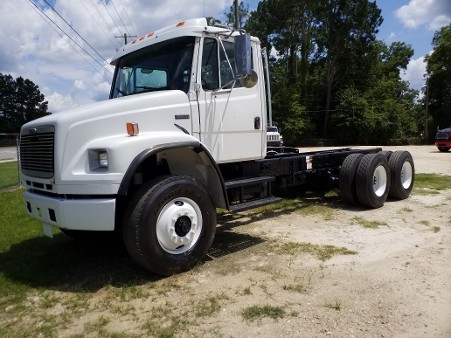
[(199, 61)]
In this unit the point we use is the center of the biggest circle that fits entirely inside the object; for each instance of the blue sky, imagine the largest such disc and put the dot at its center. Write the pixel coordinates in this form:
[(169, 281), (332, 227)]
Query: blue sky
[(68, 76)]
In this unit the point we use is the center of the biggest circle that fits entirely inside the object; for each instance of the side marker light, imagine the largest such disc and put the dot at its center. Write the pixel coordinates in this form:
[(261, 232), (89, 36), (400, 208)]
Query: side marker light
[(132, 128)]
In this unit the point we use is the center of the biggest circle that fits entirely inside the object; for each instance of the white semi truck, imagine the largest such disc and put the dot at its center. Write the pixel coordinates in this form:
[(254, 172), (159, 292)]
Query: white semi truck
[(183, 133)]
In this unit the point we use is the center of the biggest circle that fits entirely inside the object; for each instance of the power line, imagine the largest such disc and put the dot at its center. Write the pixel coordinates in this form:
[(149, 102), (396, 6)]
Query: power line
[(114, 21), (31, 3), (120, 18), (112, 42), (100, 14), (45, 18), (76, 31), (128, 17)]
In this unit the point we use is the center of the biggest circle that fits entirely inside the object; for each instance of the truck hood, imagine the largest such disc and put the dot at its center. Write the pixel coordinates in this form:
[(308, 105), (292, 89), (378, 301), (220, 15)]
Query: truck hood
[(124, 106)]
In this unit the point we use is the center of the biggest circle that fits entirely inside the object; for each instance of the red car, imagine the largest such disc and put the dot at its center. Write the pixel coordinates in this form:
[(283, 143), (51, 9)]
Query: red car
[(443, 139)]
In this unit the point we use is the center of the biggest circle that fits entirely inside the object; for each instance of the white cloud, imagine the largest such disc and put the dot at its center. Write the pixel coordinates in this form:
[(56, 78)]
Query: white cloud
[(416, 69), (79, 84), (58, 102), (432, 14), (45, 55)]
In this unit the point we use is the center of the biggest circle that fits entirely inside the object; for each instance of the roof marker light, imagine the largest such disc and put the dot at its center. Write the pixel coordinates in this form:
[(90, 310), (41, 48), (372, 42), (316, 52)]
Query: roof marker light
[(149, 35), (180, 24), (132, 128)]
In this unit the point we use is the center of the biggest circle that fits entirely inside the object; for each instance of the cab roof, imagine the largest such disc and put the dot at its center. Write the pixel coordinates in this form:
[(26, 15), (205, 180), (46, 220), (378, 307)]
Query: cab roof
[(192, 27)]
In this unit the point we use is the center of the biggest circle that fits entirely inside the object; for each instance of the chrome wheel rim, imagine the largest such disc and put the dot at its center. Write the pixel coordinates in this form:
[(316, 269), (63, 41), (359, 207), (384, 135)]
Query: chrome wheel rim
[(406, 175), (179, 225), (380, 180)]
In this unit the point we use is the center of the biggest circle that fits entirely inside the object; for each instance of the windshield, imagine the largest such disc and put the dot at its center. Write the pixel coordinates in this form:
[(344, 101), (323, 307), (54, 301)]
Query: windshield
[(163, 66)]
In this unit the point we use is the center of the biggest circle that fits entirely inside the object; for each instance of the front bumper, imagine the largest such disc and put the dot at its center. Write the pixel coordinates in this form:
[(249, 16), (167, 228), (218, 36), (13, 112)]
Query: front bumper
[(91, 214)]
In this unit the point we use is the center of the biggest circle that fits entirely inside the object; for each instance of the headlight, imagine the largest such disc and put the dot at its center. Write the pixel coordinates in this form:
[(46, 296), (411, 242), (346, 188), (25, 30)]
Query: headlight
[(103, 159), (98, 159)]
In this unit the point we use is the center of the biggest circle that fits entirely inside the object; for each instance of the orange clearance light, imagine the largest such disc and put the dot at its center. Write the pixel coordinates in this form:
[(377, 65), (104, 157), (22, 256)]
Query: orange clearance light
[(132, 128), (180, 24), (149, 35)]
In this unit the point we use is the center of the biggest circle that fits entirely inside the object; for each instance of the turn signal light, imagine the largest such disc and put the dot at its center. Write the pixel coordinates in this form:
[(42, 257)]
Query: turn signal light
[(132, 128)]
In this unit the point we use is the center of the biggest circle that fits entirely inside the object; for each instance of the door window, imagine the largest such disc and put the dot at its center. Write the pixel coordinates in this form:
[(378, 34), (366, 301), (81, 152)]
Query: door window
[(218, 72)]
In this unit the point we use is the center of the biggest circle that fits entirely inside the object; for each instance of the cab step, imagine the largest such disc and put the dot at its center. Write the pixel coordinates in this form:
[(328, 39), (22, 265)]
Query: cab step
[(254, 203), (251, 192), (248, 181)]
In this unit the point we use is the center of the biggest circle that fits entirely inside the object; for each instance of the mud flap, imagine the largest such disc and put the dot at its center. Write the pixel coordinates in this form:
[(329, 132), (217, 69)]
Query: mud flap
[(47, 229)]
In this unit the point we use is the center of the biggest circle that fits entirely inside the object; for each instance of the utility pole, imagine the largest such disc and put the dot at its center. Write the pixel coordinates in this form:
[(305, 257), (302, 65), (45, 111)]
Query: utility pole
[(237, 16), (426, 125), (125, 36)]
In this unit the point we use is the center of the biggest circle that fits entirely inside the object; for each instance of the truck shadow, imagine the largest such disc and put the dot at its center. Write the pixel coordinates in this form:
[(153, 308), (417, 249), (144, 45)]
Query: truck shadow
[(68, 265)]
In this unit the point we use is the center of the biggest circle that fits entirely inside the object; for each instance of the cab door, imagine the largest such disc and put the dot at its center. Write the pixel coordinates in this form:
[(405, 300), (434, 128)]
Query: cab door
[(231, 121)]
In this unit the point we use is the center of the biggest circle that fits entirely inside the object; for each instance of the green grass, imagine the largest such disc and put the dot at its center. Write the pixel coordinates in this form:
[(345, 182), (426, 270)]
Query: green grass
[(32, 267), (368, 224), (335, 305), (431, 184), (8, 174), (299, 288), (255, 312), (322, 252)]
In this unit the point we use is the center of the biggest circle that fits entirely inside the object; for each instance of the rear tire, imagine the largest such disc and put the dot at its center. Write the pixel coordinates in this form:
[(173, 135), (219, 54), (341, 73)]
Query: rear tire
[(347, 178), (402, 173), (373, 180), (169, 225), (443, 149), (386, 153)]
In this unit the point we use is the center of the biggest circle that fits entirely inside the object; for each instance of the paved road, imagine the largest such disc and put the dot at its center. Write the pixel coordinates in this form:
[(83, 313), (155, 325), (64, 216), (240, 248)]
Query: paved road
[(8, 153)]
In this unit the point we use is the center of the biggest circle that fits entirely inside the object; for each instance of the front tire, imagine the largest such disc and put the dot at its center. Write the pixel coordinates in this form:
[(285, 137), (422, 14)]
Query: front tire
[(169, 225), (443, 149)]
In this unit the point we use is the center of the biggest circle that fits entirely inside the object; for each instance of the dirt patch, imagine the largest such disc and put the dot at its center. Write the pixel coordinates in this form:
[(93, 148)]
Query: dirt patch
[(318, 268)]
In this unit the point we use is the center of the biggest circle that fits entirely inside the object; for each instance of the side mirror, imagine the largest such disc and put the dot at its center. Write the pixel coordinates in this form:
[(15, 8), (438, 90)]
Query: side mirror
[(243, 61)]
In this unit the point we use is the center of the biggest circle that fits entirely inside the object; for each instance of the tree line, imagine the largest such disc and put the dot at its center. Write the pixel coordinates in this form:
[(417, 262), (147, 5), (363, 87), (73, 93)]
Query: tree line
[(332, 78), (20, 102)]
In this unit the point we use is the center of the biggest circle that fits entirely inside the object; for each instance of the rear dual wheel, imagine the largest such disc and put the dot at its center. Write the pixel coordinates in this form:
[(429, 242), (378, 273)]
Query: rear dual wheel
[(373, 180), (369, 179), (347, 178), (402, 172)]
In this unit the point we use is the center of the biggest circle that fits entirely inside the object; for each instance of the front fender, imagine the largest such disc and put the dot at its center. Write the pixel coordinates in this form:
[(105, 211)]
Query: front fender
[(183, 158), (79, 176)]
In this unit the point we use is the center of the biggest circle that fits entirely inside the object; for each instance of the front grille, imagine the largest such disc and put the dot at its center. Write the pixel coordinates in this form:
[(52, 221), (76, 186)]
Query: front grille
[(36, 151)]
